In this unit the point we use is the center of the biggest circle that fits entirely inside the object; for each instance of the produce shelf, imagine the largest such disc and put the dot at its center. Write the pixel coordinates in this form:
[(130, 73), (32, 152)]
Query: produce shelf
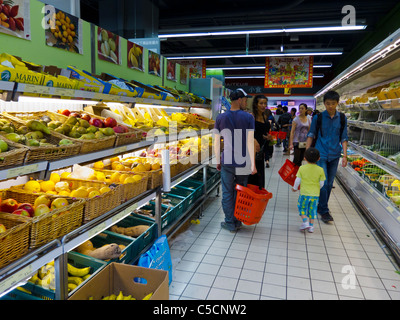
[(386, 164), (382, 212), (380, 127)]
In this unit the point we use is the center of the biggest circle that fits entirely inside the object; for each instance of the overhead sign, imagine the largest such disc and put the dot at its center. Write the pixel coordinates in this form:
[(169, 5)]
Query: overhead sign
[(289, 72)]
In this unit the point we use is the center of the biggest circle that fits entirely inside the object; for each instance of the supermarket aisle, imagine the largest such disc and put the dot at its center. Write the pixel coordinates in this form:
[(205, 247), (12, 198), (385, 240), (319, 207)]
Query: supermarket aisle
[(274, 260)]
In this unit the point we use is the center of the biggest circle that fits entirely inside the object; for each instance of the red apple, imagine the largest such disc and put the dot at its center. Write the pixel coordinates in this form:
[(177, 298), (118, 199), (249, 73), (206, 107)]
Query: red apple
[(118, 129), (28, 207), (75, 114), (96, 122), (65, 112), (9, 205), (41, 209), (2, 228), (21, 212), (110, 122), (85, 116)]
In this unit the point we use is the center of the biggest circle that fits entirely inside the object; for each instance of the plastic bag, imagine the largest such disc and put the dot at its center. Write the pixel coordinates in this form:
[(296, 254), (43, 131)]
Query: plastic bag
[(158, 257)]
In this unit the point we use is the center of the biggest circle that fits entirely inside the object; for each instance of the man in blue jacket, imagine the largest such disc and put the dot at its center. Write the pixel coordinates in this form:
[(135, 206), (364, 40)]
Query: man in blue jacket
[(329, 129), (236, 127)]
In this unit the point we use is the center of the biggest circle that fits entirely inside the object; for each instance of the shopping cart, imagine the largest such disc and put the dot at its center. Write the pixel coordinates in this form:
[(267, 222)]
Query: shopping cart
[(251, 202), (288, 172)]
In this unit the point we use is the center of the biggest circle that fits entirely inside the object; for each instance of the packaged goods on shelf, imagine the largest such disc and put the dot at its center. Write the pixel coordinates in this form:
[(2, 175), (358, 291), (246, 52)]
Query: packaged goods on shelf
[(107, 283)]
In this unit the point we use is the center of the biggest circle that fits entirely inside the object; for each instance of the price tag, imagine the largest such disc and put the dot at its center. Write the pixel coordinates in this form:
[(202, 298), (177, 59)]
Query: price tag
[(118, 216), (63, 92), (20, 171), (31, 88), (97, 229), (390, 209), (139, 100), (120, 149), (99, 96), (15, 278), (371, 190)]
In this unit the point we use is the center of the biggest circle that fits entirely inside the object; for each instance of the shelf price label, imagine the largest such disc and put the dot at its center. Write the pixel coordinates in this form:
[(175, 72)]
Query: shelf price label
[(20, 171), (97, 229), (120, 150), (32, 88), (16, 278)]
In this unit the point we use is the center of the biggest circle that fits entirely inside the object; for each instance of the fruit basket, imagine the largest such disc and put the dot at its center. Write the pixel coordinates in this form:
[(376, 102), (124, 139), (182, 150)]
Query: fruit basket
[(14, 242), (14, 156), (128, 190), (99, 204), (52, 224), (86, 145), (51, 151), (124, 134)]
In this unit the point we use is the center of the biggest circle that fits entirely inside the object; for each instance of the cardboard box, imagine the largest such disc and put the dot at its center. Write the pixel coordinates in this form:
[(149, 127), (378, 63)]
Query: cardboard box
[(117, 277), (86, 81)]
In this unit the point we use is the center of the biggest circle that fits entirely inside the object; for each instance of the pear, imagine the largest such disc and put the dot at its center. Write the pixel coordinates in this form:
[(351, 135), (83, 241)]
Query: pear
[(35, 125), (99, 135), (74, 134), (7, 128), (107, 131), (65, 142), (92, 129), (84, 123), (88, 136), (81, 130), (15, 137), (33, 143), (72, 121), (23, 130)]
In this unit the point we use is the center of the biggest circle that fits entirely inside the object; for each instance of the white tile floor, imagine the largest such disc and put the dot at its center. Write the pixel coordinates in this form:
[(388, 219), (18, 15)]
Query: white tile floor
[(274, 260)]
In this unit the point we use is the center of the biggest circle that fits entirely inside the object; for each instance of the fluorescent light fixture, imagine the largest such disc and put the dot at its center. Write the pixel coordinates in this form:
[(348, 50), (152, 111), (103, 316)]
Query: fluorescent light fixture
[(263, 31), (318, 75), (316, 65), (262, 77), (54, 101), (260, 55)]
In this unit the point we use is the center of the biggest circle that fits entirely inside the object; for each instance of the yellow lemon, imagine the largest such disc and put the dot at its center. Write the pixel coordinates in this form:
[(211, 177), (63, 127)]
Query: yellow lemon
[(51, 192), (120, 167), (137, 177), (140, 168), (55, 177), (155, 166), (64, 193), (104, 190), (98, 165), (147, 166), (47, 186), (100, 176), (79, 193), (123, 177), (115, 177), (93, 177), (32, 186), (114, 164), (130, 180), (65, 175), (94, 193), (114, 159), (90, 189)]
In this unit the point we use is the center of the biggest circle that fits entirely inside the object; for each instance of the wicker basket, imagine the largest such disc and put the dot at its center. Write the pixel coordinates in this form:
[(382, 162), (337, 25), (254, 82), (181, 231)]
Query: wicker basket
[(86, 146), (132, 136), (45, 153), (51, 225), (129, 190), (14, 242), (15, 156), (96, 206)]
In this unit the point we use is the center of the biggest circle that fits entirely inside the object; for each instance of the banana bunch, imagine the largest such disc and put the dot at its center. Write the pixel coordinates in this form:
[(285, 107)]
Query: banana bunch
[(45, 276), (135, 56), (121, 296)]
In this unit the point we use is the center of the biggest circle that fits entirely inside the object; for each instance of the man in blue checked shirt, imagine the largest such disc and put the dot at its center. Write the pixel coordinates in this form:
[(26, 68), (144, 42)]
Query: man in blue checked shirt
[(329, 129)]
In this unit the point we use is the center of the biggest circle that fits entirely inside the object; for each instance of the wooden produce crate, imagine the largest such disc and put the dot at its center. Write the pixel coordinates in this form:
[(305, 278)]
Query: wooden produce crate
[(14, 242), (129, 190), (86, 146), (51, 225), (15, 156), (98, 205), (132, 136)]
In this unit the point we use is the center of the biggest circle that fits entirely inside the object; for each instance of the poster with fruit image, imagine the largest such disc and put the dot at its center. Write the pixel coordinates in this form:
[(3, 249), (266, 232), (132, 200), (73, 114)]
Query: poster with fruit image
[(63, 30), (108, 47), (171, 70), (15, 18), (154, 63), (184, 71), (135, 56)]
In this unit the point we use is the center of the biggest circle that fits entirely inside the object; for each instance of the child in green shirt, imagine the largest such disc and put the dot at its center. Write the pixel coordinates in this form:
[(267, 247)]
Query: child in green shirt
[(312, 177)]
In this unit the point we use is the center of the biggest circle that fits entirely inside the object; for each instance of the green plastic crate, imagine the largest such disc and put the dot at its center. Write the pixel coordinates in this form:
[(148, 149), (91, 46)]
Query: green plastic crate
[(38, 293), (195, 185), (167, 217), (187, 193), (145, 238)]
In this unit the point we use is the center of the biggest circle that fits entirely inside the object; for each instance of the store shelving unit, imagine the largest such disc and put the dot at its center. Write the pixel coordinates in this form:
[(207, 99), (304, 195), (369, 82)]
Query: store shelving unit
[(22, 269), (374, 134)]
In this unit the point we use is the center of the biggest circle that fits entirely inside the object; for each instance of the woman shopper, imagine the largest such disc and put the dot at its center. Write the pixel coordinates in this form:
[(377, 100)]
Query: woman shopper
[(298, 135), (269, 149), (261, 134)]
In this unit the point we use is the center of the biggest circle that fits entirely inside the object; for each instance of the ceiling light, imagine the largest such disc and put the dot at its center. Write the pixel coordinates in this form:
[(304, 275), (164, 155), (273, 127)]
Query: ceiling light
[(260, 55), (263, 31), (319, 75), (262, 67)]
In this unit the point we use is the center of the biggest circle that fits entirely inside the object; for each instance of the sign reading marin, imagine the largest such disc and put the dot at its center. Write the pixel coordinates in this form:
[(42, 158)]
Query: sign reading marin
[(289, 72)]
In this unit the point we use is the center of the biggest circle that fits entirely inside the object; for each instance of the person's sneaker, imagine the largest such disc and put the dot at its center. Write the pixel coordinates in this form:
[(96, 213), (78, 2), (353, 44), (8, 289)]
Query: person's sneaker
[(224, 225), (305, 225), (326, 217), (238, 225), (310, 229)]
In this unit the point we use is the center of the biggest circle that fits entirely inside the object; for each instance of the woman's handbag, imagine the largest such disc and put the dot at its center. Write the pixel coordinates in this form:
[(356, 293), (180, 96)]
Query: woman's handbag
[(260, 154)]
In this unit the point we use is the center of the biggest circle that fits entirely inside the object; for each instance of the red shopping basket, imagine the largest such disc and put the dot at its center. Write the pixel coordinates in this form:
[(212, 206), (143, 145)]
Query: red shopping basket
[(251, 202), (278, 134), (288, 172)]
